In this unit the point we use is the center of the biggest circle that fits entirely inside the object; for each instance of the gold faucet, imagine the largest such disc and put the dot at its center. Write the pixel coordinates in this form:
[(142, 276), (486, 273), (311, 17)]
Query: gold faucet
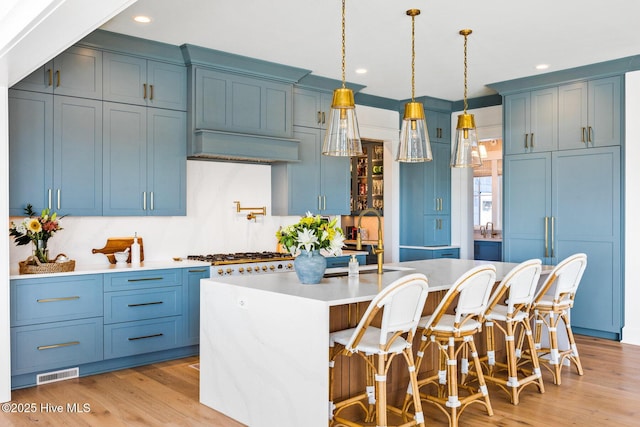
[(492, 233), (380, 249)]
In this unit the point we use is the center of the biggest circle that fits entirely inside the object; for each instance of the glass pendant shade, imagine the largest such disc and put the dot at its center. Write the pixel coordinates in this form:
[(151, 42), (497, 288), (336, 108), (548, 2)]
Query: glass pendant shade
[(414, 137), (465, 150), (342, 137)]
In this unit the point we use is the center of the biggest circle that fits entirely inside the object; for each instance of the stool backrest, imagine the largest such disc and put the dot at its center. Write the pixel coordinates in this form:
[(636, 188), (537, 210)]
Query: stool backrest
[(401, 303), (520, 283), (564, 279), (472, 290)]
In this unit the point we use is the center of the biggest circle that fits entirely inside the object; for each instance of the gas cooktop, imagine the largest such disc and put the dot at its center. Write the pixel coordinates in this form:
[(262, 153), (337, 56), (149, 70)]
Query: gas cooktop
[(241, 257)]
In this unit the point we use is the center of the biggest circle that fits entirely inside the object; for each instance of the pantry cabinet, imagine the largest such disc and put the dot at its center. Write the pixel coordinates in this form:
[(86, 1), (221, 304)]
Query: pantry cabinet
[(531, 121), (139, 81), (75, 72), (590, 113), (144, 161), (55, 153)]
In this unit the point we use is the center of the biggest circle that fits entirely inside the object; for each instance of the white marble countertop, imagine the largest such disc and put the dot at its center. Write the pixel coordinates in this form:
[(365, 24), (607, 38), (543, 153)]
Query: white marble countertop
[(111, 268), (441, 273)]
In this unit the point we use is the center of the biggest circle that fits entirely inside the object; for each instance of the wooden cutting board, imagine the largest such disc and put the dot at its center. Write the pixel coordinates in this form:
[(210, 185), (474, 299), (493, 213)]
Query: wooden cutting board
[(119, 244)]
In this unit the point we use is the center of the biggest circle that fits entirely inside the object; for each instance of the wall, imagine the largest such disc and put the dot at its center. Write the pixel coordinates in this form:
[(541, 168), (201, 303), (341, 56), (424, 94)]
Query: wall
[(631, 329)]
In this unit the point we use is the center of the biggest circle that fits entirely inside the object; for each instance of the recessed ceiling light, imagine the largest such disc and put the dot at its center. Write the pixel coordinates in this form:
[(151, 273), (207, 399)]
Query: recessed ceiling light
[(542, 66), (361, 71), (142, 19)]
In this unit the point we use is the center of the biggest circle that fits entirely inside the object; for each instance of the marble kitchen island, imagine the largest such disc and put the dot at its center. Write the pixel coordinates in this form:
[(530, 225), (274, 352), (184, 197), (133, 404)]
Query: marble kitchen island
[(264, 339)]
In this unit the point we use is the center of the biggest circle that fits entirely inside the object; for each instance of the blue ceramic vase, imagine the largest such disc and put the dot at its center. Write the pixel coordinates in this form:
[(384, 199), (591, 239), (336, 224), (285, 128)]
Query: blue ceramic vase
[(310, 267)]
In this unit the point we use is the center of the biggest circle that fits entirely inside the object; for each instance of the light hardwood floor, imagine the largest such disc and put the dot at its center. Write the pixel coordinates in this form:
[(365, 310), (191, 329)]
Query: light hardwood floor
[(166, 394)]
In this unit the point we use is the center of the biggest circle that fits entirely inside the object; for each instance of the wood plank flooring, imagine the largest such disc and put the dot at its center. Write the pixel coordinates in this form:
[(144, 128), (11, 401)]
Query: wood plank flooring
[(166, 394)]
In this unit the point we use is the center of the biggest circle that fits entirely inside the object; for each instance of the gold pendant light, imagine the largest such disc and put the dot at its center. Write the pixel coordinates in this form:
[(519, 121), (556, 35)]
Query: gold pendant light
[(414, 137), (465, 149), (342, 137)]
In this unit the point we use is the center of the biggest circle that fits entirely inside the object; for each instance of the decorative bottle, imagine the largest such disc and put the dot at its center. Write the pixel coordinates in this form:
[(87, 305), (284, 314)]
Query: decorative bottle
[(135, 251), (353, 266)]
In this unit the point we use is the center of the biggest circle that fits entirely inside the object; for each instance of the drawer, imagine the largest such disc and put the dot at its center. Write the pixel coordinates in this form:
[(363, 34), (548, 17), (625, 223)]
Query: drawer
[(343, 261), (446, 253), (142, 279), (46, 300), (409, 254), (142, 304), (55, 345), (144, 336)]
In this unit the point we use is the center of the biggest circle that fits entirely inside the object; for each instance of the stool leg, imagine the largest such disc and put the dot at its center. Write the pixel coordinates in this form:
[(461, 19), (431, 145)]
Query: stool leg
[(553, 347), (413, 379), (491, 353), (534, 356), (574, 356), (381, 392), (512, 364), (452, 382), (481, 382)]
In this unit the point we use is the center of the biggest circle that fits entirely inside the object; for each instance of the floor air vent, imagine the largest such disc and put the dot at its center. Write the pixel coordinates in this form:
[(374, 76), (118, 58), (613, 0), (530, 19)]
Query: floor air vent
[(51, 377)]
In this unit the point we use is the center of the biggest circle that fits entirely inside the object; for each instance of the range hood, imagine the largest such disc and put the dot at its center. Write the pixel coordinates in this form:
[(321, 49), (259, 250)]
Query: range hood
[(238, 147)]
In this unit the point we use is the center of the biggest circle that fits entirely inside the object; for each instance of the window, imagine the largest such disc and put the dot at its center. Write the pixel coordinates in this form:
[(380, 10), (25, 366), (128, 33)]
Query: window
[(487, 186)]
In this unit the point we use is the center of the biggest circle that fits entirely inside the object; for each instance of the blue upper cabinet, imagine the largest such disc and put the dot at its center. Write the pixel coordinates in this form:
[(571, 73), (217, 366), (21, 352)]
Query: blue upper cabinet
[(144, 161), (439, 126), (135, 80), (531, 121), (311, 108), (75, 72), (591, 113), (55, 153), (235, 103)]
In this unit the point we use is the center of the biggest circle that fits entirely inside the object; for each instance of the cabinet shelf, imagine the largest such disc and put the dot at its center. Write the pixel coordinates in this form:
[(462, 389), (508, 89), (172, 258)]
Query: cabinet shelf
[(367, 178)]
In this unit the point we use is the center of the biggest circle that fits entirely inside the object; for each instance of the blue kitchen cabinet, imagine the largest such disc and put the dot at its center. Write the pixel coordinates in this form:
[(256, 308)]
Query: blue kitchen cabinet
[(242, 104), (531, 121), (144, 161), (135, 80), (487, 250), (343, 260), (318, 184), (311, 108), (591, 113), (55, 152), (75, 72), (191, 301), (555, 205), (425, 200), (439, 126), (418, 254)]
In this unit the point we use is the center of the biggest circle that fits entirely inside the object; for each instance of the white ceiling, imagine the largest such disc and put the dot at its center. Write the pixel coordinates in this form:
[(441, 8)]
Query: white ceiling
[(509, 37)]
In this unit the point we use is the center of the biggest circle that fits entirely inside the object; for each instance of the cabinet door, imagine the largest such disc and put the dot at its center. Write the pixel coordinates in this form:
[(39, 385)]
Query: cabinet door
[(78, 72), (335, 188), (441, 178), (77, 156), (124, 159), (605, 106), (41, 80), (166, 85), (527, 202), (30, 151), (166, 162), (437, 230), (211, 99), (412, 193), (586, 207), (303, 177), (516, 122), (191, 301), (438, 126), (125, 78), (544, 120), (572, 110)]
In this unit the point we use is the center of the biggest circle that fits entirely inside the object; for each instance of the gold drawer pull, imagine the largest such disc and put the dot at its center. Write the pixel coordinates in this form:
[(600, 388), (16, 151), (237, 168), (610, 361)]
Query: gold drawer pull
[(145, 279), (65, 344), (198, 271), (145, 337), (144, 303), (58, 299)]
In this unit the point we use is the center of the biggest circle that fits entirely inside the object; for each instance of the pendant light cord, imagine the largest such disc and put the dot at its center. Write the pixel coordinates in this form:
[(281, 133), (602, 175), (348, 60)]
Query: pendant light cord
[(343, 45), (413, 58), (465, 73)]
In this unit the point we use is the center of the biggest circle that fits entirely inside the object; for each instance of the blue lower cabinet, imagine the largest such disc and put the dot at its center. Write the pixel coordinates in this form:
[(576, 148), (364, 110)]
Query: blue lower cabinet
[(343, 260), (417, 254), (128, 306), (55, 345), (488, 251), (144, 336), (191, 303)]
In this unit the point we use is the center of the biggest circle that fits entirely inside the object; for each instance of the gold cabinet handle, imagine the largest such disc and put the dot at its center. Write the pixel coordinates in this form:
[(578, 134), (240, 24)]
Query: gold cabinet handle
[(152, 200), (151, 96), (144, 200), (546, 236), (531, 139), (57, 78), (144, 91), (64, 344), (553, 237), (590, 134), (50, 73), (49, 194), (201, 270), (323, 118), (319, 117), (526, 140), (584, 130), (58, 198), (75, 297)]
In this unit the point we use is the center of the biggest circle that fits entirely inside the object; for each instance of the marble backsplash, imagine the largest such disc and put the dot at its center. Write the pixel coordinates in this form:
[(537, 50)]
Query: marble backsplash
[(211, 225)]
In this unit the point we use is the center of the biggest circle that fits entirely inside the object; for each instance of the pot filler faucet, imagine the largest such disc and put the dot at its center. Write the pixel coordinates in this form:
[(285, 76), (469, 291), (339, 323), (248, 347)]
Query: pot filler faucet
[(380, 249)]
